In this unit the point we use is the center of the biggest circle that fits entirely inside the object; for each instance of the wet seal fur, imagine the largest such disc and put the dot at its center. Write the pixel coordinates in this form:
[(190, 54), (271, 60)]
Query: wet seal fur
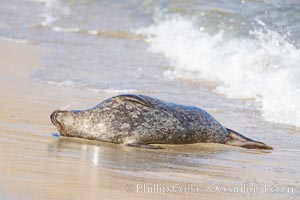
[(139, 121)]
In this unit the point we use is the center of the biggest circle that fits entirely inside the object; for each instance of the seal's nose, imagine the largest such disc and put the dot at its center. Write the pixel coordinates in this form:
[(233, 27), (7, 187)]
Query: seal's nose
[(53, 117)]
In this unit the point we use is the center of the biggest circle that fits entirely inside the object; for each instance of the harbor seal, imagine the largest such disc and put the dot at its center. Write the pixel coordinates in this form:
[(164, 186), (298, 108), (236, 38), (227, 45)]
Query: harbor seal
[(140, 121)]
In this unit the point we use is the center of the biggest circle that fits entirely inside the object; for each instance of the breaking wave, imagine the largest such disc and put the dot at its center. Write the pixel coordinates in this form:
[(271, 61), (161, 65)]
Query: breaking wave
[(262, 66)]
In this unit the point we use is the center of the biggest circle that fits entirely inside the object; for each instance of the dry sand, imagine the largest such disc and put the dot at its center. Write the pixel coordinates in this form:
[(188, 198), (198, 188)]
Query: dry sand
[(36, 165)]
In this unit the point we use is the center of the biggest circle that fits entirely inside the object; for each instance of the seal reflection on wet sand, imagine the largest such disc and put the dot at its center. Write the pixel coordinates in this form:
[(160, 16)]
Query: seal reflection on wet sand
[(139, 121)]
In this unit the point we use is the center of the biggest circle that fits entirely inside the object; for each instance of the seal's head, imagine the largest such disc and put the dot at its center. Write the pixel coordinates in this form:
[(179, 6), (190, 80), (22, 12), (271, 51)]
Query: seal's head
[(63, 120)]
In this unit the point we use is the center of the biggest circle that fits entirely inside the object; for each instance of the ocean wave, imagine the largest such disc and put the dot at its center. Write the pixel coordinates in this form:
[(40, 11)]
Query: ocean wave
[(71, 83), (52, 11), (261, 66), (115, 91), (14, 40), (102, 33)]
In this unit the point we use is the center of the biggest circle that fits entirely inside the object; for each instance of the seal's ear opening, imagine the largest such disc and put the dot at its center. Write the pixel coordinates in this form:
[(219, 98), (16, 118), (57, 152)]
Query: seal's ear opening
[(239, 140)]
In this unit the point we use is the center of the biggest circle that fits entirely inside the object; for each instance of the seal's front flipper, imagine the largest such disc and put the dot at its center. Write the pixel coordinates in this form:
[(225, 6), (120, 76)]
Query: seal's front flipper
[(239, 140), (146, 146)]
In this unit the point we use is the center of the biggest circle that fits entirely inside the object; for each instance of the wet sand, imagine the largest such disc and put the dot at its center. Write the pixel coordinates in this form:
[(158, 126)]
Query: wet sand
[(36, 165)]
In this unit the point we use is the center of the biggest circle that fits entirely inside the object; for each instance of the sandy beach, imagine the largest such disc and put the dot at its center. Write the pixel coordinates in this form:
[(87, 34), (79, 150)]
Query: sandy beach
[(36, 165)]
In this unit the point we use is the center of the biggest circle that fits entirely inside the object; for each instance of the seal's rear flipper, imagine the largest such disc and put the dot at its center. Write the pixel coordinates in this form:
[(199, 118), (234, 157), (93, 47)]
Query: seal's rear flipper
[(239, 140), (146, 146)]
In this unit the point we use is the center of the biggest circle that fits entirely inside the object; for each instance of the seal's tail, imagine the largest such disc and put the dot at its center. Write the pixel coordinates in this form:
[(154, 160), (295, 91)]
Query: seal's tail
[(239, 140)]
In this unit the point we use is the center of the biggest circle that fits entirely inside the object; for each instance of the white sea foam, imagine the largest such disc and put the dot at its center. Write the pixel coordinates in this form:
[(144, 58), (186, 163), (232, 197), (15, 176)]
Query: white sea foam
[(71, 83), (66, 30), (264, 66), (14, 40), (52, 10), (114, 91)]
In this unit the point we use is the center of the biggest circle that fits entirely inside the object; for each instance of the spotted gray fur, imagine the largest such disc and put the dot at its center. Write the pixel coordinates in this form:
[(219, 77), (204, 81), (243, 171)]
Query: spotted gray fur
[(139, 120)]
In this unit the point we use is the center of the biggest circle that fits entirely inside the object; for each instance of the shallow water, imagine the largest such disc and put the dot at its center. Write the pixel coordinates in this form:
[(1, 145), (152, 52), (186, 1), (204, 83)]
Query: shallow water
[(193, 52)]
